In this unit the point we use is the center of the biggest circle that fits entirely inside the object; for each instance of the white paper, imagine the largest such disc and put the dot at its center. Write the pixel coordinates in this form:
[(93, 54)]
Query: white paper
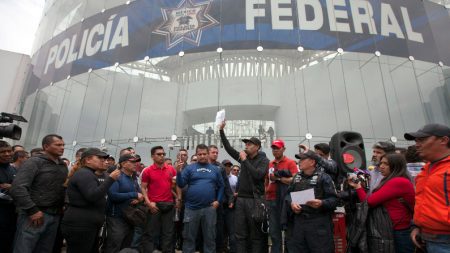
[(301, 197), (220, 117)]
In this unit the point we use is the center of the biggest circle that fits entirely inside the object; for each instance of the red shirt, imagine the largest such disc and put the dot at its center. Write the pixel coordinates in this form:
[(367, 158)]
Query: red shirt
[(388, 196), (159, 182), (284, 164)]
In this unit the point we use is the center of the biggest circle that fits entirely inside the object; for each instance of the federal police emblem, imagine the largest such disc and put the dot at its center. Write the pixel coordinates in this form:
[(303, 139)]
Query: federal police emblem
[(186, 22)]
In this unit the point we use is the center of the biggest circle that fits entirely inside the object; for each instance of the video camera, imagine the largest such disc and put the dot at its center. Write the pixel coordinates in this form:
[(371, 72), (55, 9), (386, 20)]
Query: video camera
[(9, 130)]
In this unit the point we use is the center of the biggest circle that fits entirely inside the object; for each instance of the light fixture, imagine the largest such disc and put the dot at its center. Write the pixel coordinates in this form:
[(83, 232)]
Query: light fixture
[(308, 136), (219, 50), (441, 64), (135, 139), (173, 137), (102, 141), (300, 49), (181, 53), (68, 77), (260, 48), (116, 64), (394, 139), (128, 2), (377, 53), (340, 50), (411, 58), (90, 70), (74, 143), (146, 58), (103, 10)]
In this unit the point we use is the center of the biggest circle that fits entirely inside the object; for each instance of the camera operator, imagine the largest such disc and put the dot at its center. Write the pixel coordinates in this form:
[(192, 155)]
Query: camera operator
[(7, 209)]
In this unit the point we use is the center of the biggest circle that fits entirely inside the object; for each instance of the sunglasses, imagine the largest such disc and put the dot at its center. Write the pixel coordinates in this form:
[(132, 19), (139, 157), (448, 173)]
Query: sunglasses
[(160, 154)]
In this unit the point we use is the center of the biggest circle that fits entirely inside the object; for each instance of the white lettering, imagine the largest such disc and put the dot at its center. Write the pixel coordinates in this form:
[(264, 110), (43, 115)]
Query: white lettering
[(303, 22), (93, 49), (278, 12), (334, 14), (389, 23), (121, 33), (252, 13), (64, 49), (107, 33), (51, 57), (363, 18), (415, 36), (72, 55), (83, 44)]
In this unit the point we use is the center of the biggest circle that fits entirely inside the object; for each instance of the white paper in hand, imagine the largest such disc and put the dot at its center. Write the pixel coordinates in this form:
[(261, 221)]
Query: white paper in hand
[(301, 197), (220, 117)]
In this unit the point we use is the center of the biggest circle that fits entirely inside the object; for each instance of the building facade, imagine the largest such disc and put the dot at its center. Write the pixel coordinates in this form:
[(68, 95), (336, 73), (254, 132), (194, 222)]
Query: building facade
[(119, 73)]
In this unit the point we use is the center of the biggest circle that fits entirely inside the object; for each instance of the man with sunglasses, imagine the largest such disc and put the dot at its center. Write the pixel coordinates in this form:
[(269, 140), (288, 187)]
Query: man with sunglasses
[(281, 171), (379, 149), (156, 187), (431, 212)]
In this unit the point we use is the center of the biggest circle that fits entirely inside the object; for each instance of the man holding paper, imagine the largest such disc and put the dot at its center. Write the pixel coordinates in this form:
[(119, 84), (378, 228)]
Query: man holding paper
[(311, 211)]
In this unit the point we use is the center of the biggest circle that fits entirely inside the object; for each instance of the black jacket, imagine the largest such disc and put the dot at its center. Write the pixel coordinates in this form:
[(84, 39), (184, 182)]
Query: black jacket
[(87, 199), (39, 185), (253, 171), (228, 193)]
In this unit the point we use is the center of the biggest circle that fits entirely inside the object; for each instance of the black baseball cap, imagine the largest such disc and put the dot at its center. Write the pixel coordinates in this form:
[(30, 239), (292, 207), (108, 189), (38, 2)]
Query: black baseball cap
[(253, 140), (94, 151), (129, 157), (308, 154), (429, 130), (226, 161)]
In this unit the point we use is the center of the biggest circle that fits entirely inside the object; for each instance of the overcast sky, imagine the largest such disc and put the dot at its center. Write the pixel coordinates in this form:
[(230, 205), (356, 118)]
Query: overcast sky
[(19, 20)]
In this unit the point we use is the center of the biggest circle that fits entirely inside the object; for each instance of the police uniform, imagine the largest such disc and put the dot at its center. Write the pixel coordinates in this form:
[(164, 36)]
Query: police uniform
[(312, 228)]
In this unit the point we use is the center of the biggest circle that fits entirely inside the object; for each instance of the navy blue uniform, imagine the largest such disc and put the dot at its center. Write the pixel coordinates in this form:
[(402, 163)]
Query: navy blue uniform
[(312, 229)]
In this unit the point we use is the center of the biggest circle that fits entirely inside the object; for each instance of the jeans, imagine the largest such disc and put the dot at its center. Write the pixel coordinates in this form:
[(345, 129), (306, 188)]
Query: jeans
[(402, 241), (120, 234), (437, 243), (249, 235), (80, 239), (160, 223), (136, 243), (312, 235), (275, 227), (229, 228), (193, 219), (36, 239)]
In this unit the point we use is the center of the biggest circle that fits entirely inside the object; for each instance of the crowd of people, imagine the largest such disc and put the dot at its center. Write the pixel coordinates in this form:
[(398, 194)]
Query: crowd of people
[(400, 203)]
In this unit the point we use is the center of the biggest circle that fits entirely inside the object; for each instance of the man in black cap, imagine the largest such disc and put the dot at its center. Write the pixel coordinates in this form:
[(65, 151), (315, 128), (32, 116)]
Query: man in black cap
[(312, 229), (254, 166), (431, 212)]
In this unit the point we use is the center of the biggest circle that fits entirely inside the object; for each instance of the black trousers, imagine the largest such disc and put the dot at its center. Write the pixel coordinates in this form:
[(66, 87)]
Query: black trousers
[(80, 239), (162, 224), (249, 235), (8, 218), (312, 235), (120, 234)]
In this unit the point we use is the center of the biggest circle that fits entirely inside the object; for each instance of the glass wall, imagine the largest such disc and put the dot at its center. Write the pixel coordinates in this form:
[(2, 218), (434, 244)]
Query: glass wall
[(270, 93)]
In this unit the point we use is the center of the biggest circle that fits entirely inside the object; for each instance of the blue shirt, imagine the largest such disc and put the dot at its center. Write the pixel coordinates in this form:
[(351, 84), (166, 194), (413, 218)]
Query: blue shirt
[(205, 185)]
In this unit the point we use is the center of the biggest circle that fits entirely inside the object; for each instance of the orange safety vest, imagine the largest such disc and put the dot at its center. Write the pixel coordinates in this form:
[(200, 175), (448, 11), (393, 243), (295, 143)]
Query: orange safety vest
[(432, 209)]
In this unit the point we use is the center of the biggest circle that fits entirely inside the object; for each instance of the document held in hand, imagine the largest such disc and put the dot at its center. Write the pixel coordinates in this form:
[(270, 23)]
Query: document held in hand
[(301, 197), (220, 117)]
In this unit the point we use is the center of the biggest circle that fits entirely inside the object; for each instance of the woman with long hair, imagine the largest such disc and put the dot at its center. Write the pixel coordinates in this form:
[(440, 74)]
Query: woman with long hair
[(85, 214), (396, 193)]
